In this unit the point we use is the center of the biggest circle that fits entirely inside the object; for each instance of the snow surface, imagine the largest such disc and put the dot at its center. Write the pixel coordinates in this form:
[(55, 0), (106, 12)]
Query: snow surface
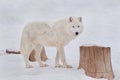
[(101, 20)]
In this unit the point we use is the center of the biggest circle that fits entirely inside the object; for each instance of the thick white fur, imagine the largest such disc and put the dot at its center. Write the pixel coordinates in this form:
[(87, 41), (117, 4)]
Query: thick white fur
[(38, 34)]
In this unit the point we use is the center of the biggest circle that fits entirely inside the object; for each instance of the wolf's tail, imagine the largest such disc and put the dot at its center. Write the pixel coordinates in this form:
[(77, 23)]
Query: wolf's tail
[(22, 46), (23, 43)]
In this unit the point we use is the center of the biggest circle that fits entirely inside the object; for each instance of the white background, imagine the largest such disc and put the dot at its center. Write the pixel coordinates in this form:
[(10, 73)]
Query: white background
[(101, 20)]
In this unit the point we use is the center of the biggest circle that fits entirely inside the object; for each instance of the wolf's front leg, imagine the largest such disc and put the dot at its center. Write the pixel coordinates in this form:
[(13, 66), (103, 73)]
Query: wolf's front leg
[(57, 64), (62, 57)]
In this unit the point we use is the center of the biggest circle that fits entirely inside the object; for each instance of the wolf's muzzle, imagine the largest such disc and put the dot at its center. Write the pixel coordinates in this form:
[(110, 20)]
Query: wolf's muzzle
[(76, 33)]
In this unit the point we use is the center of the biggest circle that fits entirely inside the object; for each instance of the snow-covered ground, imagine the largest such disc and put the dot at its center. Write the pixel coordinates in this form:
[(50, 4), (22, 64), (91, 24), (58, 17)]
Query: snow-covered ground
[(101, 19)]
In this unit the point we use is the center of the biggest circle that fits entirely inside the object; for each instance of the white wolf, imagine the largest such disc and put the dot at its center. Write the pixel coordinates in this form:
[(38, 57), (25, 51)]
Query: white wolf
[(36, 35)]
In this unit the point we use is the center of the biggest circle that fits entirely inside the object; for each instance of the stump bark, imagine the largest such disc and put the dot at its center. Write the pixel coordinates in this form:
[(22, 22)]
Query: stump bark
[(43, 55), (96, 61)]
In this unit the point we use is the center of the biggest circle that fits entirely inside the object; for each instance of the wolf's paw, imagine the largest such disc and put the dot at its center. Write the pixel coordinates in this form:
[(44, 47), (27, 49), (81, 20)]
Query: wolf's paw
[(58, 66), (44, 59), (29, 66), (67, 66), (44, 65)]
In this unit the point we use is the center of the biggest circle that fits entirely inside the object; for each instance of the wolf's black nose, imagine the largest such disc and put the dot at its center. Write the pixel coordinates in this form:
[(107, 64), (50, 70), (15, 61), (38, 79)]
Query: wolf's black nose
[(76, 33)]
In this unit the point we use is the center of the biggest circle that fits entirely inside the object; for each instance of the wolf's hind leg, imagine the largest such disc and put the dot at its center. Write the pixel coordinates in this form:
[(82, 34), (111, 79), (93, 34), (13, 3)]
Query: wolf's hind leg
[(27, 55), (38, 50)]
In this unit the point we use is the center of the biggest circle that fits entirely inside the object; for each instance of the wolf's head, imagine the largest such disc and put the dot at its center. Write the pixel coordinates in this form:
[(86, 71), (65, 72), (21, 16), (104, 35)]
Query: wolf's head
[(74, 26)]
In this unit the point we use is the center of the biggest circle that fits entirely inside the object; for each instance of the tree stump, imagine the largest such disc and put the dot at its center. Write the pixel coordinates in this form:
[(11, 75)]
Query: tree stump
[(43, 55), (96, 61)]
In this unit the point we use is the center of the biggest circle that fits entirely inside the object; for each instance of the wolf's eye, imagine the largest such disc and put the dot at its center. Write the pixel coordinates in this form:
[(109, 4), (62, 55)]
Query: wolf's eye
[(78, 26), (73, 26)]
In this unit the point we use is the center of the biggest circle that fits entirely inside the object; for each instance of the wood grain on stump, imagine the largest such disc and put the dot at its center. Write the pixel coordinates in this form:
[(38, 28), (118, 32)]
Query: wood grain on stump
[(43, 55), (96, 61)]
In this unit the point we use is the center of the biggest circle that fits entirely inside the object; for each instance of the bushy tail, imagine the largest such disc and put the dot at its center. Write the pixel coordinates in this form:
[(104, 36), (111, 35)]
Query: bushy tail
[(22, 47), (23, 44)]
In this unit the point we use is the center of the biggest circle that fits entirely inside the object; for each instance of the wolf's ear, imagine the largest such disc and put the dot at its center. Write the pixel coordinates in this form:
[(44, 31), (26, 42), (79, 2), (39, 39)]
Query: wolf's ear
[(70, 19), (80, 19)]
